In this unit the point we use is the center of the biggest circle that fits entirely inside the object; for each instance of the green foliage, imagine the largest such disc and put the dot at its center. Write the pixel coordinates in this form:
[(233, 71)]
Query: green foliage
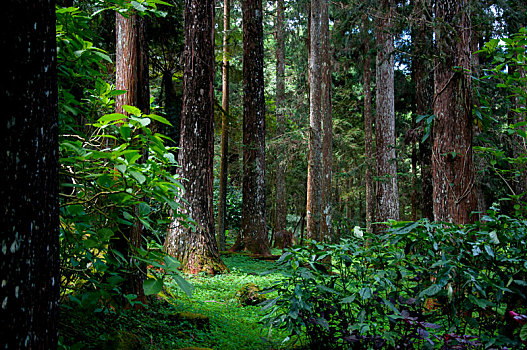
[(421, 285)]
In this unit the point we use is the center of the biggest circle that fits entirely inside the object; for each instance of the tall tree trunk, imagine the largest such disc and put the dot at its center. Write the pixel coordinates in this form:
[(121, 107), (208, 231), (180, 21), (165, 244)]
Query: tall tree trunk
[(222, 200), (281, 200), (195, 247), (422, 74), (452, 163), (172, 107), (254, 226), (387, 190), (314, 166), (132, 76), (29, 261), (327, 122), (368, 122)]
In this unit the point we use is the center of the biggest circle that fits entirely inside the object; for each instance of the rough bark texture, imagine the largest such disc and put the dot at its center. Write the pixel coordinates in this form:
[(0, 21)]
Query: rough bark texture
[(387, 190), (327, 122), (281, 200), (452, 163), (314, 166), (253, 227), (422, 74), (196, 248), (29, 257), (222, 200), (131, 73), (368, 122)]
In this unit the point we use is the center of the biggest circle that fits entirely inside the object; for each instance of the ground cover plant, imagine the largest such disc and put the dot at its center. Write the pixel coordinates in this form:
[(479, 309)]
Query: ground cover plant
[(421, 285), (213, 317)]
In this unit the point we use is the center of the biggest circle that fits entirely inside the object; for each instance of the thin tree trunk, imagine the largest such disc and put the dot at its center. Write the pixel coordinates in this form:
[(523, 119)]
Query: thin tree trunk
[(281, 200), (327, 122), (314, 167), (254, 226), (452, 163), (195, 247), (132, 76), (368, 122), (222, 200), (387, 189), (29, 261)]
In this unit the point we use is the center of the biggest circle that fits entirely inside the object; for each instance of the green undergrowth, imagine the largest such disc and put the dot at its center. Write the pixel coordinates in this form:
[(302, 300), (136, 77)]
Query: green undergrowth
[(227, 324)]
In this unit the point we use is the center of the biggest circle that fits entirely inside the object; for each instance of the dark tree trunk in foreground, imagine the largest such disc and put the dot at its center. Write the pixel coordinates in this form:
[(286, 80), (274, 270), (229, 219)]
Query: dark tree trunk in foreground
[(422, 74), (281, 200), (452, 164), (254, 227), (368, 123), (387, 190), (314, 165), (196, 248), (327, 122), (29, 263), (222, 200), (131, 71)]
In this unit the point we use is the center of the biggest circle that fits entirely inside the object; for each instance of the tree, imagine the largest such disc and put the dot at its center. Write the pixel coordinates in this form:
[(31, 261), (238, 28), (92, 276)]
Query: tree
[(368, 123), (222, 200), (195, 246), (423, 81), (254, 227), (29, 262), (387, 189), (131, 71), (281, 200), (452, 163), (327, 122), (314, 166)]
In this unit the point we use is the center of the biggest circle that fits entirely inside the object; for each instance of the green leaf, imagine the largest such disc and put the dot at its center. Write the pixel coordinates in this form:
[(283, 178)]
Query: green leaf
[(184, 285), (489, 250), (171, 264), (523, 333), (125, 131), (159, 119), (121, 168), (107, 118), (365, 293), (432, 290), (132, 110), (494, 237), (152, 286), (138, 176)]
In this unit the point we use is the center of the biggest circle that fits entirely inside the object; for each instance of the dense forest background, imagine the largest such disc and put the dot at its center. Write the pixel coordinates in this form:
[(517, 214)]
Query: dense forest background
[(380, 145)]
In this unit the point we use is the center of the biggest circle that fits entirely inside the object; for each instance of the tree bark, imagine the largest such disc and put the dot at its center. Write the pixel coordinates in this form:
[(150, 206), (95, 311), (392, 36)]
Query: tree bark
[(327, 122), (281, 200), (314, 166), (29, 258), (132, 76), (368, 122), (253, 227), (387, 189), (195, 247), (452, 163), (222, 200)]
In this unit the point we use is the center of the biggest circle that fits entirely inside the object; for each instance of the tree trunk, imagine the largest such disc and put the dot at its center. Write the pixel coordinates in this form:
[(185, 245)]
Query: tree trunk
[(422, 74), (222, 200), (172, 108), (452, 163), (281, 200), (195, 247), (254, 227), (368, 122), (387, 190), (29, 262), (327, 122), (314, 166), (132, 76)]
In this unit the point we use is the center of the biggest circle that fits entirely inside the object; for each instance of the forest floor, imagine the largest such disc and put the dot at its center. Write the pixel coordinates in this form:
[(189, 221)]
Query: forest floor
[(213, 318)]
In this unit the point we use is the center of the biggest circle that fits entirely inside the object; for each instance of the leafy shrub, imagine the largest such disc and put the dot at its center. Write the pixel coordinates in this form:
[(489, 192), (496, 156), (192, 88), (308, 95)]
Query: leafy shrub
[(420, 285)]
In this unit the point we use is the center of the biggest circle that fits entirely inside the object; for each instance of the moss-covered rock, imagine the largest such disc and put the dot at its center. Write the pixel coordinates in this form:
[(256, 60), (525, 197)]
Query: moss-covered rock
[(124, 341), (249, 294), (197, 320)]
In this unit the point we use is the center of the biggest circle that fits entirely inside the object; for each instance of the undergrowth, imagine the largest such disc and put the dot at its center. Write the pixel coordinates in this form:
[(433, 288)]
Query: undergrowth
[(230, 325)]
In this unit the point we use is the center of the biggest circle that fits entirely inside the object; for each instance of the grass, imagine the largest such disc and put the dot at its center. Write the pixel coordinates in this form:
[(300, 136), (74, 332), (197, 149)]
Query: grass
[(230, 325)]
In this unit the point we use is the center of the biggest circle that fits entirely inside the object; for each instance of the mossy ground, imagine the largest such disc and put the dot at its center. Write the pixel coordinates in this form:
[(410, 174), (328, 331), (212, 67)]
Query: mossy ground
[(229, 326)]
